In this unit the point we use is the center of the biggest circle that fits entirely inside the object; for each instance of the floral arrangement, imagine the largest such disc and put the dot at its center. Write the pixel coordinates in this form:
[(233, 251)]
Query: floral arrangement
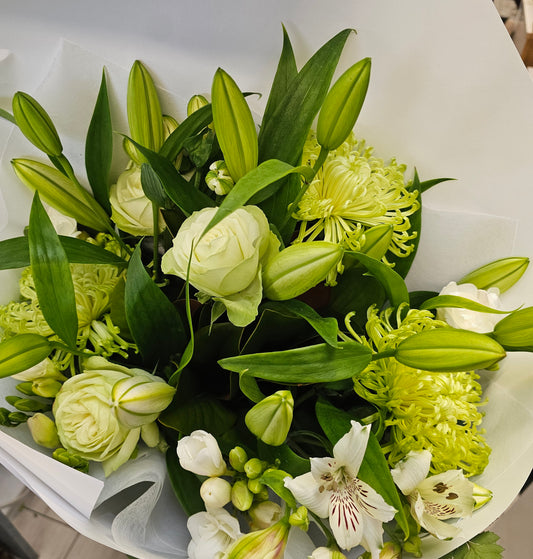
[(236, 299)]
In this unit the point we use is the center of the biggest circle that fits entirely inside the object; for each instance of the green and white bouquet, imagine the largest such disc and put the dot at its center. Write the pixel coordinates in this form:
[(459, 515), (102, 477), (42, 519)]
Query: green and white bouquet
[(235, 298)]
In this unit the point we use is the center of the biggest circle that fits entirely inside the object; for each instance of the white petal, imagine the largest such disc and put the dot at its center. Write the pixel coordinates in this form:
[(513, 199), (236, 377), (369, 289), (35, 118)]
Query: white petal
[(350, 449), (345, 519), (439, 528), (411, 471), (448, 494), (371, 502), (372, 539), (307, 491), (323, 467)]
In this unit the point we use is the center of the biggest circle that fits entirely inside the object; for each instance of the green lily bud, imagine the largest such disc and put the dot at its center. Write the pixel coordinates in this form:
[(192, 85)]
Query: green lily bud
[(196, 102), (234, 126), (27, 404), (35, 124), (481, 495), (26, 388), (259, 544), (300, 518), (43, 430), (17, 417), (169, 125), (215, 492), (254, 468), (515, 331), (218, 178), (237, 458), (61, 193), (342, 105), (298, 268), (72, 460), (241, 497), (139, 400), (255, 486), (46, 387), (270, 419), (22, 352), (449, 350), (377, 241), (503, 273)]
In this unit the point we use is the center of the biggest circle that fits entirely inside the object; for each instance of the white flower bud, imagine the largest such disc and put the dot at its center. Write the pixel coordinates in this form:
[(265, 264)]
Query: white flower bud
[(215, 492), (199, 453)]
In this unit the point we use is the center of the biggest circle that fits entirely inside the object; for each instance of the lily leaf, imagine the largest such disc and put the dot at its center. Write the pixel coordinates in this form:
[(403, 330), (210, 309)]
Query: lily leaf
[(456, 302), (374, 469), (50, 269), (154, 322), (234, 125), (318, 363), (99, 148), (185, 484)]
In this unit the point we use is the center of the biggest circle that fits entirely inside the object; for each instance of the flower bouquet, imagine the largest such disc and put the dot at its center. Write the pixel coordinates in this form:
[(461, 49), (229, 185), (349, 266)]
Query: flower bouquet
[(235, 299)]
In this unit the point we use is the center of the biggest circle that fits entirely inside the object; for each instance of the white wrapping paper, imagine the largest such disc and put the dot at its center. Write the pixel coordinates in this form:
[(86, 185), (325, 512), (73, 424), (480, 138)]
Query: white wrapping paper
[(448, 94)]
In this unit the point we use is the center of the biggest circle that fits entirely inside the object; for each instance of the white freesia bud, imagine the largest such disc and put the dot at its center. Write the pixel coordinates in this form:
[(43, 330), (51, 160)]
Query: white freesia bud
[(199, 453), (264, 514), (465, 319), (212, 532), (215, 492)]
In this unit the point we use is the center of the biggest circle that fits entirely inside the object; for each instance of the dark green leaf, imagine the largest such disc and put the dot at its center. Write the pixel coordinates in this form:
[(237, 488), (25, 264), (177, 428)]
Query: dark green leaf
[(188, 198), (327, 328), (50, 269), (99, 148), (199, 148), (22, 352), (426, 185), (288, 460), (482, 546), (185, 484), (153, 188), (154, 322), (374, 469), (15, 253), (318, 363)]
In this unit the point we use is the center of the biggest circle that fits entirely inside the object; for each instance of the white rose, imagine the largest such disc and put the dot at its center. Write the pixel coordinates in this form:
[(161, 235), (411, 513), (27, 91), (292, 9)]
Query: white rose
[(471, 320), (226, 262), (131, 210), (199, 453), (212, 533)]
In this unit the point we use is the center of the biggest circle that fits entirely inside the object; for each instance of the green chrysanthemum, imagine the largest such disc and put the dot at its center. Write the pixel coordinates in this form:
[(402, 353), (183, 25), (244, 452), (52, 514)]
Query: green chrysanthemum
[(433, 411), (93, 285), (352, 192)]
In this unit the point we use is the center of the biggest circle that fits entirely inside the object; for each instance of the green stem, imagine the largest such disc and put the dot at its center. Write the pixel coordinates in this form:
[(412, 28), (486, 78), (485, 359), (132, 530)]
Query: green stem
[(384, 354), (7, 116), (156, 274)]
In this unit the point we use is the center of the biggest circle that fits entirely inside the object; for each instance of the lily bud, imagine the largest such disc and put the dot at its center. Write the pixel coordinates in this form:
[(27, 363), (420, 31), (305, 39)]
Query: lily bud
[(43, 430), (241, 497), (215, 492), (22, 352), (377, 241), (46, 387), (270, 419), (300, 518), (264, 515), (515, 331), (237, 458), (449, 350), (254, 468), (169, 125), (342, 105), (503, 273), (298, 268), (35, 124), (196, 102), (269, 542), (218, 178), (139, 400)]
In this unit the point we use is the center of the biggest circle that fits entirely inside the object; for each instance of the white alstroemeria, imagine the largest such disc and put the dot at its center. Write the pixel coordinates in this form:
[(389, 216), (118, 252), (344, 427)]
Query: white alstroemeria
[(212, 532), (200, 454), (435, 498), (332, 490), (471, 320), (326, 553)]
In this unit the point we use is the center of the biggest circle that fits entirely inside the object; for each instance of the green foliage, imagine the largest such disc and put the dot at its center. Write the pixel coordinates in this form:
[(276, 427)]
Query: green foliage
[(483, 546)]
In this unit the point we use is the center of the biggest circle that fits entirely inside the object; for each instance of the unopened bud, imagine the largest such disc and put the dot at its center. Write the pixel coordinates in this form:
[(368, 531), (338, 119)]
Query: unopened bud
[(254, 468), (218, 178), (327, 553), (216, 492), (150, 434), (27, 404), (298, 268), (25, 388), (17, 417), (515, 331), (255, 486), (481, 496), (377, 241), (503, 273), (237, 458), (72, 460), (270, 419), (43, 430), (196, 102), (264, 514), (241, 497), (300, 518), (46, 387)]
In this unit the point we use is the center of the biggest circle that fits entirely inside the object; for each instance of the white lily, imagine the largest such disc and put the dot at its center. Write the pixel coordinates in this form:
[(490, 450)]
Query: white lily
[(435, 498), (332, 490)]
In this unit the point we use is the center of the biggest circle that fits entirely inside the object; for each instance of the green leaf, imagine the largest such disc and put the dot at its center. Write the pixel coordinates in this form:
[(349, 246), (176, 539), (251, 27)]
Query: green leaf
[(152, 187), (185, 484), (206, 413), (253, 182), (287, 459), (456, 302), (22, 352), (99, 148), (50, 269), (249, 387), (391, 281), (426, 185), (154, 322), (318, 363), (191, 126), (275, 480), (374, 469), (327, 328), (188, 198), (234, 125), (15, 253), (482, 546)]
